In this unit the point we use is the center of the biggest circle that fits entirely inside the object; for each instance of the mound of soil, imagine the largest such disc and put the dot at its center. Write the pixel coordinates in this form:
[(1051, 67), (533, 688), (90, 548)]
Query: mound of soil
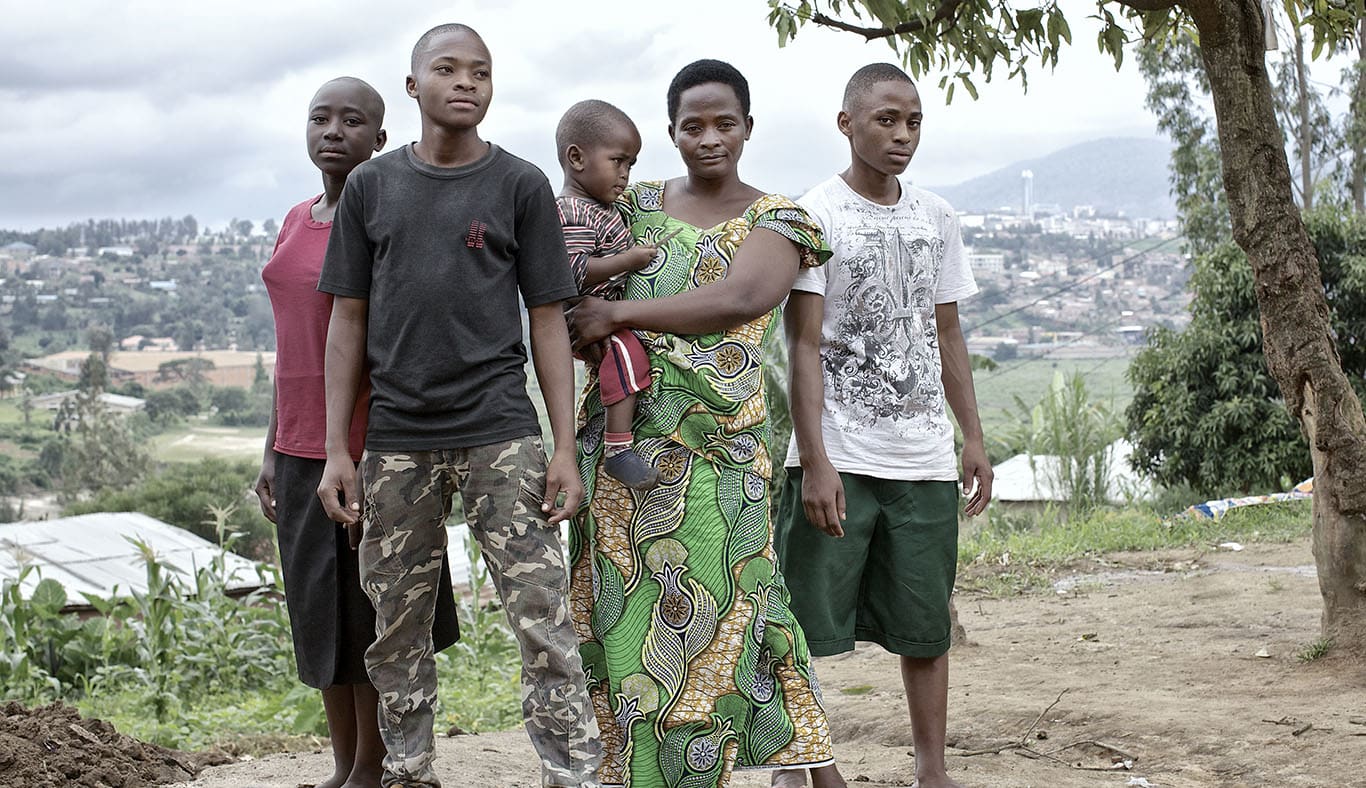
[(55, 745)]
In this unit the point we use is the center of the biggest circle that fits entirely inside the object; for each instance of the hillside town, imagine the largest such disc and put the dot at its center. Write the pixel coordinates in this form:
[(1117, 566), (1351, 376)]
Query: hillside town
[(1069, 282), (1057, 282)]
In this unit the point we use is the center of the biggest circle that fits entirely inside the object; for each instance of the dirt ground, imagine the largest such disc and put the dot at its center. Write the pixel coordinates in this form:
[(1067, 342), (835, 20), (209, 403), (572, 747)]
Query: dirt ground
[(1182, 665), (54, 746)]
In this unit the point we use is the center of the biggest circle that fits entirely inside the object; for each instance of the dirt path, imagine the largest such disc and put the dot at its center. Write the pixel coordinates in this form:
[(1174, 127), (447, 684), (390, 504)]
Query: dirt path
[(1154, 654)]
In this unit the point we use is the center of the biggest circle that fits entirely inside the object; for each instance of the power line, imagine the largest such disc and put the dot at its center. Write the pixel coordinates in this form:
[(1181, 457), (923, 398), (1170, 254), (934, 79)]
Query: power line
[(1006, 369), (1073, 284)]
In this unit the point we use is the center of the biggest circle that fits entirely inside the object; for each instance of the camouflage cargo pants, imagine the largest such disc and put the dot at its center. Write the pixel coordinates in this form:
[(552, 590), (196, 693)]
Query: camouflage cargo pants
[(407, 500)]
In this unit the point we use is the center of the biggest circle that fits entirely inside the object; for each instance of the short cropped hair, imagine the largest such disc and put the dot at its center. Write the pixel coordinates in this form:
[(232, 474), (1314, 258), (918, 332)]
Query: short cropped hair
[(589, 122), (865, 78), (367, 94), (700, 73), (440, 30)]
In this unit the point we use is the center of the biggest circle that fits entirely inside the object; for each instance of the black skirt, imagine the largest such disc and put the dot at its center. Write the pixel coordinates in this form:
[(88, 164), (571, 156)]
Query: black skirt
[(331, 619)]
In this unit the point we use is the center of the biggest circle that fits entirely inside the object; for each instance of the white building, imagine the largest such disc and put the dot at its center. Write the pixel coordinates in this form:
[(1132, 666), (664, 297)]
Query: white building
[(986, 263)]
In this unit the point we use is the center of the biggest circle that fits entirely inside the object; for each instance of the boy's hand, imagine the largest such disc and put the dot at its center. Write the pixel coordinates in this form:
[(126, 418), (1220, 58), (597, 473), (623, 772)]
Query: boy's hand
[(823, 498), (590, 322), (562, 476), (977, 478), (340, 490), (265, 481)]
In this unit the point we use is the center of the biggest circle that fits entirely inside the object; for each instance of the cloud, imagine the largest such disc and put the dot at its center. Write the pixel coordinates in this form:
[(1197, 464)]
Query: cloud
[(169, 51), (153, 107)]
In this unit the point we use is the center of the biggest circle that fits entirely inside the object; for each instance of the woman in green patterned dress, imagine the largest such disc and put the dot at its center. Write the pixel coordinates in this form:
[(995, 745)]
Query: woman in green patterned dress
[(695, 664)]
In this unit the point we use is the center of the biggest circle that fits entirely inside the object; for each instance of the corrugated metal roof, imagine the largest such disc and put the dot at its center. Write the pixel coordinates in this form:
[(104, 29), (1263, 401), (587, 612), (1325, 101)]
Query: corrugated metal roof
[(1016, 479), (92, 554)]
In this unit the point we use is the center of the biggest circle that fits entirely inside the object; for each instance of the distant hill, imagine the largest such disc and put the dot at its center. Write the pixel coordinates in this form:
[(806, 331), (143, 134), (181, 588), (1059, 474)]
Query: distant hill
[(1118, 174)]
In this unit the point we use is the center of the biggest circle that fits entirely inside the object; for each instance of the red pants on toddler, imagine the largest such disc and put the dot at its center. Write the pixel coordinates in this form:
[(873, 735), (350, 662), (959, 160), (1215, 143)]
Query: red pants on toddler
[(625, 368)]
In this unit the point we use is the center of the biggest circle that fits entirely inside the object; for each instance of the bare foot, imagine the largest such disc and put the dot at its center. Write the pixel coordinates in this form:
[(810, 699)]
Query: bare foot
[(827, 777), (364, 775), (789, 778), (935, 781), (362, 780), (335, 781)]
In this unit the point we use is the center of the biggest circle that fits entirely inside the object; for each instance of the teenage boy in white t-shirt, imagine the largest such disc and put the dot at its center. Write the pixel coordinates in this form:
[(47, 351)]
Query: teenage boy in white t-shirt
[(868, 526)]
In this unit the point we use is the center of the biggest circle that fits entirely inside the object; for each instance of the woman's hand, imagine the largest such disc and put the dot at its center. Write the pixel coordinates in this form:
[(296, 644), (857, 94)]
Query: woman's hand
[(591, 320), (757, 279)]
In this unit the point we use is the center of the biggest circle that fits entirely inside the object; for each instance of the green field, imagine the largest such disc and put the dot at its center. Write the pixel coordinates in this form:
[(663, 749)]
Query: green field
[(196, 440), (1029, 380), (9, 411), (192, 442)]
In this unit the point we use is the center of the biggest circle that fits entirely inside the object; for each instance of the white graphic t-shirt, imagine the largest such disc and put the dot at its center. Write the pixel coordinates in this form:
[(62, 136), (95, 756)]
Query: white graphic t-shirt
[(885, 415)]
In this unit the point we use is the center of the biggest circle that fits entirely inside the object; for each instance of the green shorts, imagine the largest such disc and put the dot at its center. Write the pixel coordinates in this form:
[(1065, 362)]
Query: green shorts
[(888, 580)]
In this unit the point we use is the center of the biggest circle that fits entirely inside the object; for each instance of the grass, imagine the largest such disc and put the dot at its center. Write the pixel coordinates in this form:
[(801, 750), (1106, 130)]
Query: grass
[(1315, 650), (10, 412), (1014, 552), (195, 441)]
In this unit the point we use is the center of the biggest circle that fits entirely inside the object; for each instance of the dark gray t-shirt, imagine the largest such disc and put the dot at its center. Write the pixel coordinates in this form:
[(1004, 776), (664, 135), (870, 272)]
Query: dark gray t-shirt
[(441, 254)]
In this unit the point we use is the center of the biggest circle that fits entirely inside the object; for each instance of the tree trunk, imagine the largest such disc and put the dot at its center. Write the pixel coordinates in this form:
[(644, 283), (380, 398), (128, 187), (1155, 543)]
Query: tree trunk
[(1297, 335)]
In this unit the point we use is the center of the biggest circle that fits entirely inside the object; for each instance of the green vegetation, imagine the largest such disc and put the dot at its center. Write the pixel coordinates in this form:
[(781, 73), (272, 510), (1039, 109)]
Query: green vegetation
[(1206, 412), (183, 493), (1017, 551), (1030, 380), (1315, 650), (187, 666), (1065, 423)]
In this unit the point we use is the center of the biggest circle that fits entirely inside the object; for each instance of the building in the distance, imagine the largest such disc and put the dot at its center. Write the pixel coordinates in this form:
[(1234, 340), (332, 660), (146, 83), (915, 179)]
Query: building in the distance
[(986, 263), (117, 404)]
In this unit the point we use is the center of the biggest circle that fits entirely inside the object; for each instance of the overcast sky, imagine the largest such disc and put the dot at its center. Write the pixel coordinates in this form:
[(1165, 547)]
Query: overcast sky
[(147, 108)]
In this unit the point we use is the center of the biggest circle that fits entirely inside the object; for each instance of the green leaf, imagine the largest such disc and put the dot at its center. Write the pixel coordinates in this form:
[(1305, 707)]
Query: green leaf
[(968, 86), (49, 597), (1292, 10), (888, 12), (1113, 40)]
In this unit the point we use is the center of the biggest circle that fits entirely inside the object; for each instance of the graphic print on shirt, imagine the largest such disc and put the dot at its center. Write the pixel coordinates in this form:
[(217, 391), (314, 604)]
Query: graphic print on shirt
[(474, 239), (883, 362)]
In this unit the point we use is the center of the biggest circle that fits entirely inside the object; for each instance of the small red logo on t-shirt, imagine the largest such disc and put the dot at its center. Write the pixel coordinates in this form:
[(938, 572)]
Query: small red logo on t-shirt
[(474, 239)]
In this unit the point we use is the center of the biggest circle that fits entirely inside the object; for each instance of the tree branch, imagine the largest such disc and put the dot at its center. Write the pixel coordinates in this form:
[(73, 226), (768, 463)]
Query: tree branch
[(947, 10)]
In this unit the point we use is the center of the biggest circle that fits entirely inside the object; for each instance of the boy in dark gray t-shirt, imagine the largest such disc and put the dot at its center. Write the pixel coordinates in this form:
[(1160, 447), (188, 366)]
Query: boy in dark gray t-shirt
[(430, 248)]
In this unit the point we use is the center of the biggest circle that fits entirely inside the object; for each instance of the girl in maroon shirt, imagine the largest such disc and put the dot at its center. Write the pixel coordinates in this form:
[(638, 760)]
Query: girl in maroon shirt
[(331, 619)]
